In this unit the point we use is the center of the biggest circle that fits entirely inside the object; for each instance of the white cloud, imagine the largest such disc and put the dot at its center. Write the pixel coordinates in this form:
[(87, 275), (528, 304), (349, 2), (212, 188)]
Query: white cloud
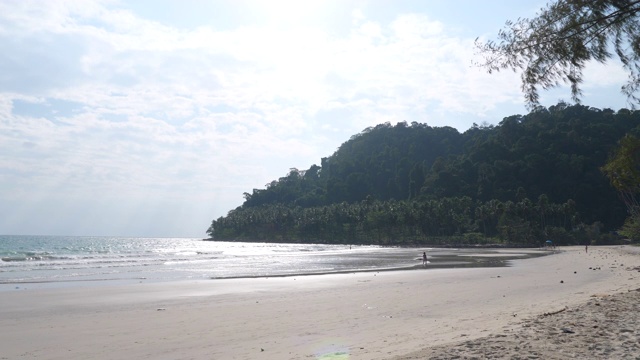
[(202, 115), (608, 74)]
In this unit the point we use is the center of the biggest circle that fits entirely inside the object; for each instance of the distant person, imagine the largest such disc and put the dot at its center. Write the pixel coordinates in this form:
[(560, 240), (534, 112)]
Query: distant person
[(424, 259), (586, 248)]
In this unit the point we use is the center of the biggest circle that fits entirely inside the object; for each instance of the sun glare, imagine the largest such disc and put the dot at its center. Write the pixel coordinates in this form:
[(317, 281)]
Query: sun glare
[(290, 12)]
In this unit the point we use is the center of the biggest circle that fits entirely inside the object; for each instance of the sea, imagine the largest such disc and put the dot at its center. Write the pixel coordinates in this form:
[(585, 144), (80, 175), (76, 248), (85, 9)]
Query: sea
[(72, 260)]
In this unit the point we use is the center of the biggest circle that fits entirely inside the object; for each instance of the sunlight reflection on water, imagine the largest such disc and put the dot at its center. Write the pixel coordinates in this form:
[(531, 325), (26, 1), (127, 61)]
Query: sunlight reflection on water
[(28, 259)]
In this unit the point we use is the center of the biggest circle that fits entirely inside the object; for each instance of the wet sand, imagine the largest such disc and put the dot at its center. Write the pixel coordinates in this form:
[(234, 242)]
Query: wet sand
[(438, 313)]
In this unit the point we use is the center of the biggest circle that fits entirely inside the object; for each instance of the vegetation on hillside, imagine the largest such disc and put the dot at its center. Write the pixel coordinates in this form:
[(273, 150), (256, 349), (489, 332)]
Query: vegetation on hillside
[(528, 179), (555, 46)]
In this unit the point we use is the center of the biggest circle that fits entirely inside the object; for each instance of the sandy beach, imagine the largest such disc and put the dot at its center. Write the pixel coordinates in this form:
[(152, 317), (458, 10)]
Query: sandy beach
[(569, 304)]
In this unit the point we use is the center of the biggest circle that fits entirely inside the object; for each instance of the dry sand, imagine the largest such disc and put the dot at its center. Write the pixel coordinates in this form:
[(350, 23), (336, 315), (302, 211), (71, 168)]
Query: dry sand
[(607, 327), (591, 310)]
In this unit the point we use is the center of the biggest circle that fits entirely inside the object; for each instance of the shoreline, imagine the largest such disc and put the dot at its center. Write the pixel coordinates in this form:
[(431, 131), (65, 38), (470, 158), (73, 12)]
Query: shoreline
[(374, 315), (477, 261), (440, 258)]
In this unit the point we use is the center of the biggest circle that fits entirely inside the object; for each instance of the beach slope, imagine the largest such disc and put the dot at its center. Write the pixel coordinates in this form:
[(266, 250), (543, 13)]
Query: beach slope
[(432, 313)]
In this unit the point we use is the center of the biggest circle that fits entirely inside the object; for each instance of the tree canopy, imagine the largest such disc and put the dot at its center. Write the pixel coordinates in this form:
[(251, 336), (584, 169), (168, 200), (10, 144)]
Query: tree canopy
[(554, 47), (623, 170), (528, 178)]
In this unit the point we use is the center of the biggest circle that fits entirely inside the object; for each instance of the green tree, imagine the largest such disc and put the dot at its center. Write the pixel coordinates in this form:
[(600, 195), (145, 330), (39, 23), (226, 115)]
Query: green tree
[(554, 47), (623, 170), (415, 185)]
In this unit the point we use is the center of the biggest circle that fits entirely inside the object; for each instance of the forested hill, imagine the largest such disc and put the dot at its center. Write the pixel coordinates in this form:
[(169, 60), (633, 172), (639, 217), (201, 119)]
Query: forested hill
[(539, 173)]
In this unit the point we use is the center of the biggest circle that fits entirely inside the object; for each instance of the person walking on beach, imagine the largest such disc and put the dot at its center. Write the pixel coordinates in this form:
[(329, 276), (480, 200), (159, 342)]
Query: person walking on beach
[(586, 248), (424, 258)]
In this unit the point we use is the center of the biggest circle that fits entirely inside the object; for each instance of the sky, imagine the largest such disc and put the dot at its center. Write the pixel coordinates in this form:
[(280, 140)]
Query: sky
[(152, 117)]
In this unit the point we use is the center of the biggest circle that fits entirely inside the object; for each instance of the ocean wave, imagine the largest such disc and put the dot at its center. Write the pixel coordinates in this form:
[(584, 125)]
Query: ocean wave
[(25, 258), (30, 258)]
